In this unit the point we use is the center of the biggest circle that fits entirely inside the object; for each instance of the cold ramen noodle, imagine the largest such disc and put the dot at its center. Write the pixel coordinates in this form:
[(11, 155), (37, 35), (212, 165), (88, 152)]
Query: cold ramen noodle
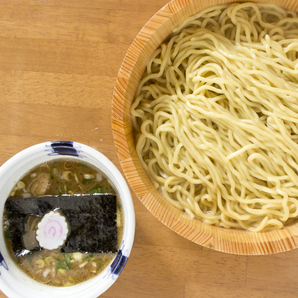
[(216, 117), (63, 222)]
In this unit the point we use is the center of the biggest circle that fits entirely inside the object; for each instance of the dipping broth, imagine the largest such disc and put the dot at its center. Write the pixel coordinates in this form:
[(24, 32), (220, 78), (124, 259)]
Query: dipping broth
[(56, 178)]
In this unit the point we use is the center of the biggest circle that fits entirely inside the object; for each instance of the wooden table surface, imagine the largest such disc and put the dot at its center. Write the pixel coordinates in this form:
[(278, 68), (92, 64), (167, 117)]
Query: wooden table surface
[(58, 63)]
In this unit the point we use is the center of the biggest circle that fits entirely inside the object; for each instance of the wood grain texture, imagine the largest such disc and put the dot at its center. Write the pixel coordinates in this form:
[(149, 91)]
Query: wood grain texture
[(58, 65), (220, 239)]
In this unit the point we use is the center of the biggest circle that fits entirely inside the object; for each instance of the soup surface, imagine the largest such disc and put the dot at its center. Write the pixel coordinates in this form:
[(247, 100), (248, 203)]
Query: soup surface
[(62, 177)]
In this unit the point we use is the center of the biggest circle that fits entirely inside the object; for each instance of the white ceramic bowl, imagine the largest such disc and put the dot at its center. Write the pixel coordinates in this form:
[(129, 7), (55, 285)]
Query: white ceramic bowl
[(15, 283)]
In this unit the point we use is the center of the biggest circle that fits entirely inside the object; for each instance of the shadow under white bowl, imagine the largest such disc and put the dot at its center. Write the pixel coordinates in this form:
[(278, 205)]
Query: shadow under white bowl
[(14, 282)]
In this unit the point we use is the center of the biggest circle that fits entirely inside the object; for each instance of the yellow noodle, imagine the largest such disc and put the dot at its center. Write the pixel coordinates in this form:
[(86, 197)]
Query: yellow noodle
[(216, 117)]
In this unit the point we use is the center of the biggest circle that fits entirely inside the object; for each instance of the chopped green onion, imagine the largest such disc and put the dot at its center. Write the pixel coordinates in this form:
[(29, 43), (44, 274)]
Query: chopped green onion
[(83, 165), (62, 266), (87, 181), (67, 258), (96, 190), (88, 257)]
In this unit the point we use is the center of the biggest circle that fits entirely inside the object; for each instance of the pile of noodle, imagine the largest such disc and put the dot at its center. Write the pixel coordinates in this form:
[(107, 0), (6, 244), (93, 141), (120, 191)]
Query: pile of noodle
[(216, 117)]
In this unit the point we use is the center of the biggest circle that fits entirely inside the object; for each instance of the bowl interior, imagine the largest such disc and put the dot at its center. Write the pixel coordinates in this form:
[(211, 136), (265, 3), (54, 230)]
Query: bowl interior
[(13, 281), (226, 240)]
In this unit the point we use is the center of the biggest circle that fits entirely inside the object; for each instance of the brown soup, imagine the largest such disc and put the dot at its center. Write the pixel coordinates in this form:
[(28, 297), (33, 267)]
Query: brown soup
[(59, 177)]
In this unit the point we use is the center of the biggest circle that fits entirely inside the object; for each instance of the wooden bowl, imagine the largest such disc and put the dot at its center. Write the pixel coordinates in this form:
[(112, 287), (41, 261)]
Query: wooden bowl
[(225, 240)]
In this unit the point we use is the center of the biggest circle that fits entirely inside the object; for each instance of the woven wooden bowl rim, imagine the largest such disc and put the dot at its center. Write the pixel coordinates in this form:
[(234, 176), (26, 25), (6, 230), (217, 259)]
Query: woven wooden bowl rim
[(225, 240)]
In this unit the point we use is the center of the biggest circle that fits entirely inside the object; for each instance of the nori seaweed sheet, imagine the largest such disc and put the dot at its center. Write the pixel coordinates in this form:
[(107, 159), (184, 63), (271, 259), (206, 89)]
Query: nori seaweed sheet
[(91, 219)]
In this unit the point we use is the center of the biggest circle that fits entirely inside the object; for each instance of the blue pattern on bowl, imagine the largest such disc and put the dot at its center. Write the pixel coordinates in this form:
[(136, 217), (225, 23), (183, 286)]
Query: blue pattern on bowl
[(118, 263), (63, 148), (2, 262)]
